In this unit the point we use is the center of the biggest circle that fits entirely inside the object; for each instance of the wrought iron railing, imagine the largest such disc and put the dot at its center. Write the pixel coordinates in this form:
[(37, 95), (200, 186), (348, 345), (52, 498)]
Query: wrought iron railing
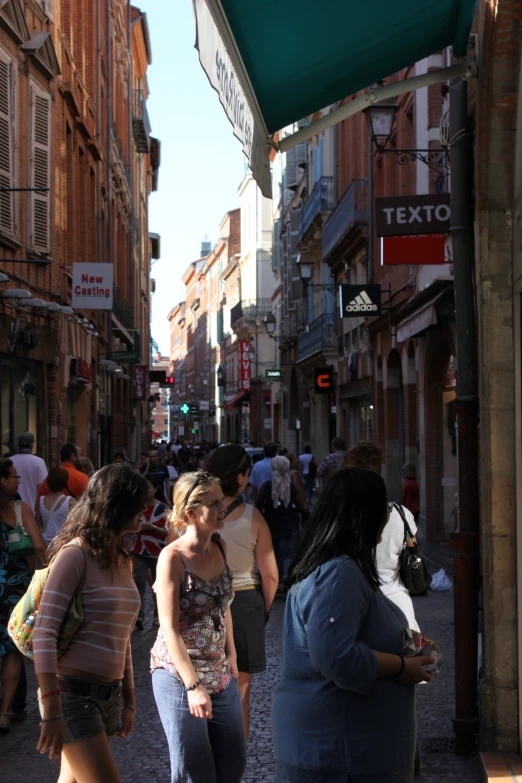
[(351, 209), (250, 308), (122, 310), (140, 121), (321, 201), (320, 335), (121, 153)]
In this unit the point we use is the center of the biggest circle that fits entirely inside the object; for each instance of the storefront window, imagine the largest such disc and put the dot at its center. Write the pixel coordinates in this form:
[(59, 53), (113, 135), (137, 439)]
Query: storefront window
[(366, 413), (20, 400)]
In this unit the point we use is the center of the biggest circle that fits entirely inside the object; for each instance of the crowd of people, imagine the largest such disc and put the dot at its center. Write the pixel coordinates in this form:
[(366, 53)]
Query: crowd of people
[(218, 532)]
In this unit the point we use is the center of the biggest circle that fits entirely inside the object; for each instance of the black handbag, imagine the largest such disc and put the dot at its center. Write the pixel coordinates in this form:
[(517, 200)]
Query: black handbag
[(414, 571)]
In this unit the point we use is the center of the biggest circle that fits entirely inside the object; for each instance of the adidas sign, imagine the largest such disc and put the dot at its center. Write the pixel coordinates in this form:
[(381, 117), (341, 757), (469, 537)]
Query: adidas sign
[(361, 304)]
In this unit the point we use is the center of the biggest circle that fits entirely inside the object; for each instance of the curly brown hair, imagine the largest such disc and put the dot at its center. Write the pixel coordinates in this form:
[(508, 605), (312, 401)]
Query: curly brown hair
[(113, 497), (366, 455)]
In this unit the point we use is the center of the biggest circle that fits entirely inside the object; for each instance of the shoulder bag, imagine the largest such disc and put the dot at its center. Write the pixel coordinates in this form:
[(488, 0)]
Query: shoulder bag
[(414, 571), (20, 543), (21, 623)]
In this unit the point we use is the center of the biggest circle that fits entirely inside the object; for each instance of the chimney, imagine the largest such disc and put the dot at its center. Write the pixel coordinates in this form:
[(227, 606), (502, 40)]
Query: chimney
[(206, 247)]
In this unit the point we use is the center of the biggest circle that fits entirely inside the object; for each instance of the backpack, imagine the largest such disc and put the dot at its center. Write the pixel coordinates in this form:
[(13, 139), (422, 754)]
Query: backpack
[(414, 571), (23, 617)]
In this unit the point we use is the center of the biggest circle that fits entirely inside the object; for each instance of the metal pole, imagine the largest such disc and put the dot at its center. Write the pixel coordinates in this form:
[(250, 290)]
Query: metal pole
[(131, 243), (106, 449), (370, 209), (465, 543)]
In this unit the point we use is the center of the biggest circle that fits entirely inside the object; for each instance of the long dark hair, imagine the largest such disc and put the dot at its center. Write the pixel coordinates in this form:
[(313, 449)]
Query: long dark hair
[(347, 520), (5, 498), (225, 464), (113, 496)]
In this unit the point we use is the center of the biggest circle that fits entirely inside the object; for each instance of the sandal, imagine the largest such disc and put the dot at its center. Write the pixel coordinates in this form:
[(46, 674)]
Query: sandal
[(5, 723)]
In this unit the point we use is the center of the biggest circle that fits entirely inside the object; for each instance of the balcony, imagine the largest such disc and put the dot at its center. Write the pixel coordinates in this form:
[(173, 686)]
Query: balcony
[(140, 121), (250, 308), (321, 201), (122, 310), (318, 337), (351, 210)]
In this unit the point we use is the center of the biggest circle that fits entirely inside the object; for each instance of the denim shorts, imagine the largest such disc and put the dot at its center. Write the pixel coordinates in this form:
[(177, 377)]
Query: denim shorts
[(85, 717)]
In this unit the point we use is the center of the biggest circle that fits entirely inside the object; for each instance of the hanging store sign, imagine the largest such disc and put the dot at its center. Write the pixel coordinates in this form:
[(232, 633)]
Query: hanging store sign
[(414, 250), (274, 375), (358, 301), (141, 391), (221, 74), (323, 380), (409, 215), (92, 286), (244, 365)]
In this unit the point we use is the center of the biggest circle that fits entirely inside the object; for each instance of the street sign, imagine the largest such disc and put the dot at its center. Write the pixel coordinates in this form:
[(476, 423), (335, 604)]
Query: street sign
[(127, 357), (267, 424), (402, 216), (92, 286), (184, 408), (414, 250), (360, 300), (204, 405), (274, 375), (323, 380)]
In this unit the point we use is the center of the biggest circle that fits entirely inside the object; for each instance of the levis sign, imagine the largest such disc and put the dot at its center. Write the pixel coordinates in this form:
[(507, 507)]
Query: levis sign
[(244, 365), (410, 215)]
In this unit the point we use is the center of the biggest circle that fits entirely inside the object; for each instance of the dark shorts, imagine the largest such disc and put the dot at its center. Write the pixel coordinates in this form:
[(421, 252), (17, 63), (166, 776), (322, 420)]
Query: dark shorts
[(248, 617), (85, 717)]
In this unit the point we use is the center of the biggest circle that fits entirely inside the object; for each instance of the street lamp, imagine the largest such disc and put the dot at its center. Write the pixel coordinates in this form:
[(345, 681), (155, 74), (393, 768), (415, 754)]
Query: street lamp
[(305, 263), (270, 324), (220, 374), (251, 353), (380, 117)]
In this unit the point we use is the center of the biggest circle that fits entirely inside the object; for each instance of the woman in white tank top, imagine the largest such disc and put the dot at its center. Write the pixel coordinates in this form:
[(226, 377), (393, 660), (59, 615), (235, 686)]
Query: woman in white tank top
[(250, 556), (53, 509)]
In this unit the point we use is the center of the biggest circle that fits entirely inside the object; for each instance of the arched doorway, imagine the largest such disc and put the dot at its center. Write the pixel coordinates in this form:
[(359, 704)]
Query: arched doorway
[(410, 406), (441, 440)]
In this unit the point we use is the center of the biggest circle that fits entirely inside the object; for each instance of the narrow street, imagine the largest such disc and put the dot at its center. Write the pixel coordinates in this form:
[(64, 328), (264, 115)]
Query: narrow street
[(144, 755)]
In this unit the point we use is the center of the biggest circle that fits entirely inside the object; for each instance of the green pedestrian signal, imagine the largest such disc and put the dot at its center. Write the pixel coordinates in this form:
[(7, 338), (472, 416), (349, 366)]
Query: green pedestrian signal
[(184, 408)]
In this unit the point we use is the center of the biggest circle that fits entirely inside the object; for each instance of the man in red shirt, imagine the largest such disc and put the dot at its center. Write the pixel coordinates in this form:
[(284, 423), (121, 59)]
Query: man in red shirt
[(69, 459)]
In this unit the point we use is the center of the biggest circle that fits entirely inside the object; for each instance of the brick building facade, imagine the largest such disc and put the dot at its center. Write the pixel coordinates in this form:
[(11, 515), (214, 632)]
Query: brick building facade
[(74, 125)]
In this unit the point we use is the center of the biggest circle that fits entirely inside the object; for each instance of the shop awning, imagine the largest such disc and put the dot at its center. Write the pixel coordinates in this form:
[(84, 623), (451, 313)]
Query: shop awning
[(241, 397), (275, 63), (421, 320)]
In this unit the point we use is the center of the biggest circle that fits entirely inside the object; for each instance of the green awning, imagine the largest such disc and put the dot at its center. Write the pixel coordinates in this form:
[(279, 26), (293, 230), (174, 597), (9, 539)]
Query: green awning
[(295, 57)]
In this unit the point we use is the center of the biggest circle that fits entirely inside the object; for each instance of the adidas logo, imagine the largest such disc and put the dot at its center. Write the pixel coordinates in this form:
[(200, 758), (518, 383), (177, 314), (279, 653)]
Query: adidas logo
[(361, 304)]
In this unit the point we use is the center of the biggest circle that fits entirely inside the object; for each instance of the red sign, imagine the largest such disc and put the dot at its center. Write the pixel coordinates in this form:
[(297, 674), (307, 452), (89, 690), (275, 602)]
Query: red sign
[(141, 391), (85, 371), (244, 365), (414, 250)]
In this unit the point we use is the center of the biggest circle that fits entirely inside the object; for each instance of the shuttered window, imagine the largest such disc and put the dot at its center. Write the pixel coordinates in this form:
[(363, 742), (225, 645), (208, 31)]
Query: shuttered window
[(48, 8), (40, 239), (6, 145)]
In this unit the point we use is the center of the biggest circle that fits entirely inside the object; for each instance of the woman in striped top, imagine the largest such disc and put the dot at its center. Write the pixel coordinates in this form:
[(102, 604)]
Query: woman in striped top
[(82, 692)]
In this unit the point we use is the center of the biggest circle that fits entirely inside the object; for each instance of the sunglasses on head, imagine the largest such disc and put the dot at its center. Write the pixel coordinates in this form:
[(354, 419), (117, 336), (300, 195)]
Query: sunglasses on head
[(201, 477)]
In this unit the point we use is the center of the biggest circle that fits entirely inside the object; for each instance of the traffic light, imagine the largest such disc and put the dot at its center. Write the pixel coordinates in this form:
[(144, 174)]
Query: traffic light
[(184, 408), (169, 381)]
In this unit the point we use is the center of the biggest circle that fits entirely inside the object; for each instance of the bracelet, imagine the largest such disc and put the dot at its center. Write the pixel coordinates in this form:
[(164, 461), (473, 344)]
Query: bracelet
[(54, 717), (54, 692), (396, 676), (192, 687), (129, 707)]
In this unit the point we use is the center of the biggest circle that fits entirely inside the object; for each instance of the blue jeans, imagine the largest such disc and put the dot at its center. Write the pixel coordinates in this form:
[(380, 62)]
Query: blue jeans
[(309, 482), (284, 550), (201, 751)]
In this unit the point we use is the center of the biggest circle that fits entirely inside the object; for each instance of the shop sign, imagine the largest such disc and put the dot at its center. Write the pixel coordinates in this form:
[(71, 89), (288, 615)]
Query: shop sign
[(360, 300), (274, 375), (244, 365), (414, 250), (140, 382), (267, 424), (127, 357), (409, 215), (92, 286), (204, 405), (194, 410), (84, 371), (323, 380)]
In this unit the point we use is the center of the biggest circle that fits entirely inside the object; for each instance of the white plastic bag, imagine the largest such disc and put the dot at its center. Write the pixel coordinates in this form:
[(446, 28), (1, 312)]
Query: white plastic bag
[(440, 582)]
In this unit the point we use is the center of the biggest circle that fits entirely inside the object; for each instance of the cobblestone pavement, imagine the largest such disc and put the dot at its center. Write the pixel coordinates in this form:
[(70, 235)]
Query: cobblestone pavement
[(144, 756)]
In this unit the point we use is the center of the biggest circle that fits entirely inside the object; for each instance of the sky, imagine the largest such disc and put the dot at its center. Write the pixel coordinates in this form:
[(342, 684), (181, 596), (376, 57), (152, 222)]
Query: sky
[(202, 163)]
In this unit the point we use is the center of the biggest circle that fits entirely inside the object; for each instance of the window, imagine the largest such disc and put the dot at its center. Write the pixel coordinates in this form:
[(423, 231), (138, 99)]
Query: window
[(40, 218), (48, 8), (7, 155)]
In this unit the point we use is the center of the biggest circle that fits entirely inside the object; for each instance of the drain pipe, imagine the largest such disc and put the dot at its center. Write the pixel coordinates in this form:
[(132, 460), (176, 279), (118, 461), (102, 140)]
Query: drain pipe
[(465, 543)]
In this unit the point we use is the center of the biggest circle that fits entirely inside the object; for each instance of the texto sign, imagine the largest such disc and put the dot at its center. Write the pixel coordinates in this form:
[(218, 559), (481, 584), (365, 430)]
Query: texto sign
[(409, 215), (92, 286)]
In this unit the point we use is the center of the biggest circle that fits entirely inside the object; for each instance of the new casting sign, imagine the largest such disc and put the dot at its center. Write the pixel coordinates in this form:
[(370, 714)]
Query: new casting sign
[(409, 215), (92, 286)]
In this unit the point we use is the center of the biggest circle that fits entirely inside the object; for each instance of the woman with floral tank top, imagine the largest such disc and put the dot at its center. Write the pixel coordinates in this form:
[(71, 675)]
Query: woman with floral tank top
[(193, 661)]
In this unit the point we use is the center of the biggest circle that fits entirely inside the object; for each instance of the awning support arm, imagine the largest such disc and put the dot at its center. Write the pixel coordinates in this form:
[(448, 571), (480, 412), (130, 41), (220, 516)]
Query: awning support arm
[(465, 68)]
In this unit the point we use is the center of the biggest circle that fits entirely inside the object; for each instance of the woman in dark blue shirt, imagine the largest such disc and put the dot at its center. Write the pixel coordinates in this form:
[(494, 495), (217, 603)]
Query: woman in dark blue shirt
[(344, 709)]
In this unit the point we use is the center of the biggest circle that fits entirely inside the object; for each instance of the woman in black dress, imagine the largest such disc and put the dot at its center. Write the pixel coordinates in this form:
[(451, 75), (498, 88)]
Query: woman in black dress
[(14, 580)]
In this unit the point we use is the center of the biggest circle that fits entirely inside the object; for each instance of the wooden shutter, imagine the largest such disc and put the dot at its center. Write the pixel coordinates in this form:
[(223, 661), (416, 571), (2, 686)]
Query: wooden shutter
[(6, 147), (49, 9), (40, 239)]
